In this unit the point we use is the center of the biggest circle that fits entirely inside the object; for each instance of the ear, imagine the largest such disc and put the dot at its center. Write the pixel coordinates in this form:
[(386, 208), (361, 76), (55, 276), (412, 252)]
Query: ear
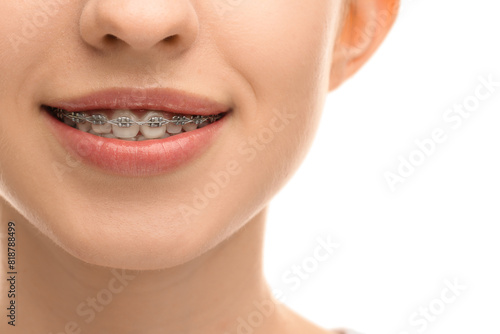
[(363, 29)]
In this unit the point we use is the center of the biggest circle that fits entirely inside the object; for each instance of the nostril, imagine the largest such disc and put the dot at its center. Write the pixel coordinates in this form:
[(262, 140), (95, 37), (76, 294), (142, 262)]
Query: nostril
[(138, 27), (110, 38), (170, 38)]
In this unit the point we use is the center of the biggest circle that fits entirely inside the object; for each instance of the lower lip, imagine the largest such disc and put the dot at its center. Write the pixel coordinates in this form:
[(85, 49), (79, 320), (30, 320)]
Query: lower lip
[(135, 158)]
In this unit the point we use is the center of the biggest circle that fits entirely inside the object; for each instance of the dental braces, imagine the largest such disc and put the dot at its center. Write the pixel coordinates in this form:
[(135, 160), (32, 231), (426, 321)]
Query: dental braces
[(126, 122)]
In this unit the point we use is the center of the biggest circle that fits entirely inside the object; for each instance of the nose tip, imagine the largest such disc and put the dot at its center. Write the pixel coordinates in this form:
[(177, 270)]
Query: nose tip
[(139, 24)]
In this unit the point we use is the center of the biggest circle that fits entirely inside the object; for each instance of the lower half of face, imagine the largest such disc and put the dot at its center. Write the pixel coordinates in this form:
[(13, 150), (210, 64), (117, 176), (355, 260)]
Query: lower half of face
[(267, 62)]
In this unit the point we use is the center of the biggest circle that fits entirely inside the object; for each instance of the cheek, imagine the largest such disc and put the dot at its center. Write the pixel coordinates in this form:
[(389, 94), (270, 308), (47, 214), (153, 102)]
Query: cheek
[(24, 26), (279, 79), (30, 37), (279, 47), (280, 51), (31, 30)]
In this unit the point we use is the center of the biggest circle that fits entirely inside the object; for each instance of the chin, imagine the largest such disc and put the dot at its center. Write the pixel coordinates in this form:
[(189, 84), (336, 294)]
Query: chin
[(132, 242)]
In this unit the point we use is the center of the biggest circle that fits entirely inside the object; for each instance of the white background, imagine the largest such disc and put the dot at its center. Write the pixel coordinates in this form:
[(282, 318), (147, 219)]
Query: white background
[(397, 248)]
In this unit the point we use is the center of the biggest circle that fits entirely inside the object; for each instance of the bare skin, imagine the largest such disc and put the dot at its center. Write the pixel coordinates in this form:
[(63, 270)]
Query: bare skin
[(194, 298), (201, 275)]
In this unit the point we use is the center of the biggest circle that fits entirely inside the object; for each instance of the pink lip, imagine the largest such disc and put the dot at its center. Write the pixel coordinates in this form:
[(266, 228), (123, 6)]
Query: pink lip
[(142, 158), (134, 98)]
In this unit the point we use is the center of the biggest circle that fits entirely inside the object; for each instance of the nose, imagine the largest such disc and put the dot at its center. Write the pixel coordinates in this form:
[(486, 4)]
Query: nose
[(139, 24)]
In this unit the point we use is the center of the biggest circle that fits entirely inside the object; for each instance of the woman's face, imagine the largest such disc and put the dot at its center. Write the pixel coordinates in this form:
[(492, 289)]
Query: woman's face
[(266, 61)]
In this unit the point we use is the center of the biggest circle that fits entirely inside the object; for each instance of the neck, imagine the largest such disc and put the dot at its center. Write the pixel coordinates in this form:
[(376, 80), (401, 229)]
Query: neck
[(58, 293)]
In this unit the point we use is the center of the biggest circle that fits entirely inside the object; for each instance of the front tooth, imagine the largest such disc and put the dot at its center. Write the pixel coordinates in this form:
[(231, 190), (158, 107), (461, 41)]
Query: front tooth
[(125, 132), (152, 132)]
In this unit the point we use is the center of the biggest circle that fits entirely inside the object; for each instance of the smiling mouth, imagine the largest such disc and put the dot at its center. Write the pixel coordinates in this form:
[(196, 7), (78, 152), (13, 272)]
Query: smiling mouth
[(132, 125)]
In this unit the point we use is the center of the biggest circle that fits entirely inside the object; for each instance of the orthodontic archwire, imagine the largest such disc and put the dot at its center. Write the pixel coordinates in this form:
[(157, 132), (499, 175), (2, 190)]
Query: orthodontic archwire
[(126, 122)]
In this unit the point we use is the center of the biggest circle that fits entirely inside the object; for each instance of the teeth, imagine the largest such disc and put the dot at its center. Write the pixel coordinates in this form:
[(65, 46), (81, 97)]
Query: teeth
[(189, 127), (69, 121), (203, 124), (155, 131), (103, 129), (109, 135), (100, 126), (122, 124), (84, 126), (172, 128), (125, 129)]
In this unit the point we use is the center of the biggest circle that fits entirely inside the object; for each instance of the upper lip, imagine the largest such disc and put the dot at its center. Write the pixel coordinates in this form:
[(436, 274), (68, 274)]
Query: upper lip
[(161, 99)]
